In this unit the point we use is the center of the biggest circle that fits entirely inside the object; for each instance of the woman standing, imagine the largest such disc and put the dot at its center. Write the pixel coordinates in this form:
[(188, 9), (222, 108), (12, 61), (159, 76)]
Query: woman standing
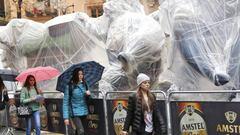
[(3, 95), (3, 99), (74, 101), (143, 114), (29, 96)]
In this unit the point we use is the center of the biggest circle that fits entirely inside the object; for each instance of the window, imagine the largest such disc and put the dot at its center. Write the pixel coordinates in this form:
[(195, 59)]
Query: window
[(95, 11), (2, 9)]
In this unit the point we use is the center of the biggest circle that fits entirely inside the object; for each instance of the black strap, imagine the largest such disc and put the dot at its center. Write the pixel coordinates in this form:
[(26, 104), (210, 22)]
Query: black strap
[(86, 85), (70, 98)]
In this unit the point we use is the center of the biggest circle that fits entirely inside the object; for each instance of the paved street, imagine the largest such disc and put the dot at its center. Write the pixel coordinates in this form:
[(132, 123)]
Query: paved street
[(3, 131)]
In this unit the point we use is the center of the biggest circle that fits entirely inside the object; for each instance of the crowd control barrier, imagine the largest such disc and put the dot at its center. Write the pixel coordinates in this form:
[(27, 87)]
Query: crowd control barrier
[(116, 108), (204, 113), (51, 114)]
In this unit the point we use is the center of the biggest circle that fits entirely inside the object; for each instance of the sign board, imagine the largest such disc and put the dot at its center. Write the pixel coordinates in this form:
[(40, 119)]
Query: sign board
[(205, 118)]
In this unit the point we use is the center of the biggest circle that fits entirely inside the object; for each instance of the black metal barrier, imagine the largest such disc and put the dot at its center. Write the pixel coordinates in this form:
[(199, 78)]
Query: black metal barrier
[(51, 115), (185, 112), (116, 105), (213, 116)]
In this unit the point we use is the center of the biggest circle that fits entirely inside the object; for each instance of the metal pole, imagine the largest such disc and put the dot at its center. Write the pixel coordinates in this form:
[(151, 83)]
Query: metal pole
[(167, 105), (168, 111), (66, 129), (105, 113)]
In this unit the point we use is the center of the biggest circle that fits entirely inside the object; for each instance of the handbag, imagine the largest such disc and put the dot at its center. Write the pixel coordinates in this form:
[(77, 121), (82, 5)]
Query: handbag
[(24, 111), (2, 105), (89, 100)]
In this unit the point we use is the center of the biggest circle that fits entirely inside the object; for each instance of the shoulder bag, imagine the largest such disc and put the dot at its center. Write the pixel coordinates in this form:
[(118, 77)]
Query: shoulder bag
[(24, 110)]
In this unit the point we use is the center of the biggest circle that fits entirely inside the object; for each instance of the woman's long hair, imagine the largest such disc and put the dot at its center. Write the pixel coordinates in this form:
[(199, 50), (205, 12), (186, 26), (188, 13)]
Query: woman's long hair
[(27, 84), (151, 100), (2, 85), (75, 77)]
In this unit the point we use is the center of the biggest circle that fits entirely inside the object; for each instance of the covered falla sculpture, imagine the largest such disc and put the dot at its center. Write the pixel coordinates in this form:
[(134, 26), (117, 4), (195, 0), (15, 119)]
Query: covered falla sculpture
[(204, 43), (123, 39), (202, 53)]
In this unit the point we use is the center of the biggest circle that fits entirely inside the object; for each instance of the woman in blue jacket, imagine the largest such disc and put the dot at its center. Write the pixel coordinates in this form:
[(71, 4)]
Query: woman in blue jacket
[(74, 100)]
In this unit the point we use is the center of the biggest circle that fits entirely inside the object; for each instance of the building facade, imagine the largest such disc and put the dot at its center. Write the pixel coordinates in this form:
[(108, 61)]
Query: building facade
[(44, 10)]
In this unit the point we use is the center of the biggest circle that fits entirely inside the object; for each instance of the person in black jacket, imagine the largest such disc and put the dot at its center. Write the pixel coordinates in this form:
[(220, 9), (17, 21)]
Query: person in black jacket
[(3, 95), (143, 114)]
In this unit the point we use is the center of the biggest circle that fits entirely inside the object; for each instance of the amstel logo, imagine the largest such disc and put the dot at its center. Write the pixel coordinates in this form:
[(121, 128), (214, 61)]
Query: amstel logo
[(230, 116), (191, 119), (226, 128)]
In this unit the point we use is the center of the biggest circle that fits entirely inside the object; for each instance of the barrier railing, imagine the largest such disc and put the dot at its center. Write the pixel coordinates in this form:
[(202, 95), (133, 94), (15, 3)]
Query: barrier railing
[(203, 112), (186, 112), (116, 107), (51, 114)]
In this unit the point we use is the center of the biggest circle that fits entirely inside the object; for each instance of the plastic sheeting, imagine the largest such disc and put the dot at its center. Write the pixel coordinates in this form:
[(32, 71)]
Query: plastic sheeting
[(123, 39), (23, 33), (58, 43), (205, 43), (134, 45)]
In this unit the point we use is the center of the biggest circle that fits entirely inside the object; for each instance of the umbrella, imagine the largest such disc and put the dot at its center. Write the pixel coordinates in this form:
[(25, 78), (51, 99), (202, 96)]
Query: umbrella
[(8, 75), (92, 73), (40, 73)]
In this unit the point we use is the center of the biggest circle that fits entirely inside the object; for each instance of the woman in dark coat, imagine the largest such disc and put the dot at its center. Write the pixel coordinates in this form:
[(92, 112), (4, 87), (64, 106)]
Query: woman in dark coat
[(3, 95), (3, 99), (143, 114)]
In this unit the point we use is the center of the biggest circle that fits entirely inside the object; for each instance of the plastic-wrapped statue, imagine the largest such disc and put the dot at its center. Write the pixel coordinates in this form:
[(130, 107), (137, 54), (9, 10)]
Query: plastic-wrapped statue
[(205, 43), (123, 39), (134, 43)]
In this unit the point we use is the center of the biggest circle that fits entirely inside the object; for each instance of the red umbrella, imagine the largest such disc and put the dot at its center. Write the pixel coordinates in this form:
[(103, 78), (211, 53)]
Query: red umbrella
[(40, 73)]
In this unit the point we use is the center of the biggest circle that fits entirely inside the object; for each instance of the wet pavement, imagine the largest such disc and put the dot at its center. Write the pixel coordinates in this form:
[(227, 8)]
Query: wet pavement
[(12, 131)]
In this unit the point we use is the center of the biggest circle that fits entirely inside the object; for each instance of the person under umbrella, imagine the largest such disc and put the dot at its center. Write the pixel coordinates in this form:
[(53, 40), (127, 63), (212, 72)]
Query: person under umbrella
[(74, 101), (30, 96)]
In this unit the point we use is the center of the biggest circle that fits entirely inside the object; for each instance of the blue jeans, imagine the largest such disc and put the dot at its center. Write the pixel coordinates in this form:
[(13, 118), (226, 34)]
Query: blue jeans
[(36, 116)]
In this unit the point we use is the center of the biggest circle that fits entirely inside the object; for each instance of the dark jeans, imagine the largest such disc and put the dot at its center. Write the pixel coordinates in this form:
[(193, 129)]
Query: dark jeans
[(77, 121)]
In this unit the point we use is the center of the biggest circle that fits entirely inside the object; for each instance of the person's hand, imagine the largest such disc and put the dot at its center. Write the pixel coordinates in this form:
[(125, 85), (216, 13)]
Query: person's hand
[(66, 122), (40, 91), (33, 98), (88, 93), (124, 133)]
